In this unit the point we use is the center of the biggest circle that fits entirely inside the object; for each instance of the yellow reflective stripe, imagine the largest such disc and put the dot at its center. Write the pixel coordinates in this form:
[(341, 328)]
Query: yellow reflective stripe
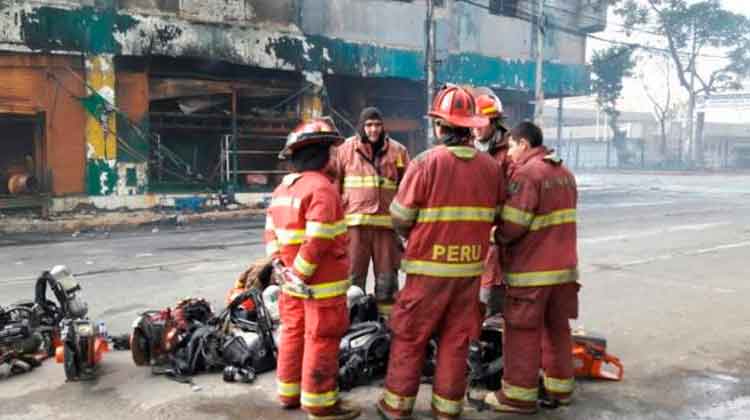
[(325, 230), (520, 393), (320, 291), (519, 217), (372, 181), (436, 269), (288, 389), (303, 266), (555, 218), (286, 201), (560, 386), (403, 213), (382, 220), (456, 214), (541, 278), (398, 402), (490, 109), (325, 399), (290, 178), (463, 152), (272, 247), (290, 236), (446, 406)]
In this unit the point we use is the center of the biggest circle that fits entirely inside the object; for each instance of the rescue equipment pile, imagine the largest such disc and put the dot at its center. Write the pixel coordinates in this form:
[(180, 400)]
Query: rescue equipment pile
[(241, 340), (190, 339), (31, 331)]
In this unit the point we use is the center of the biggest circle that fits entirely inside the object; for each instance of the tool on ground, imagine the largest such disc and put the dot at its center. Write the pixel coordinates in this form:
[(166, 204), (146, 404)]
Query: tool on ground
[(591, 360), (83, 342)]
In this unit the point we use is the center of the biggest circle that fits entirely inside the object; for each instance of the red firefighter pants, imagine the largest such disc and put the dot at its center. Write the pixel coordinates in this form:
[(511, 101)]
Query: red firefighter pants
[(537, 335), (429, 306), (492, 280), (382, 247), (307, 366)]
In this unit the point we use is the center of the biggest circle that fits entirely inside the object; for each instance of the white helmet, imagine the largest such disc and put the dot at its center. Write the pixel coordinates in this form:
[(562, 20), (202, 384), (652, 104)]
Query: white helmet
[(354, 293), (271, 301)]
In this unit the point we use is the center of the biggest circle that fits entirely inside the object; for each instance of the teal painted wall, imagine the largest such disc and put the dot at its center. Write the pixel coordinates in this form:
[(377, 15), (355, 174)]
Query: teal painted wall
[(98, 31)]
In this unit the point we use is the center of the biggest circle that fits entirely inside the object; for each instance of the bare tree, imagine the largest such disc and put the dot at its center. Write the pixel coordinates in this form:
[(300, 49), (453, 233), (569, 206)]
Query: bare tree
[(690, 29), (665, 107)]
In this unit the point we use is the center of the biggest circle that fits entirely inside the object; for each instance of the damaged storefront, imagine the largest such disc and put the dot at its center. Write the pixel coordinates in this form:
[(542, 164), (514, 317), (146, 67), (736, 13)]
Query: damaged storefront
[(42, 129), (138, 103)]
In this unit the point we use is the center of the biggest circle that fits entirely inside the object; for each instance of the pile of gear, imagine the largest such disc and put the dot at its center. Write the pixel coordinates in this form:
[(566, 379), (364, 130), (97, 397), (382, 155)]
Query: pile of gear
[(191, 338), (32, 331), (242, 340)]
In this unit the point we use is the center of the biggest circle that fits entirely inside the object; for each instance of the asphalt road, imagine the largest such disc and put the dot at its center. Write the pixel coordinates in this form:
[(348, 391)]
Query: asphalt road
[(664, 270)]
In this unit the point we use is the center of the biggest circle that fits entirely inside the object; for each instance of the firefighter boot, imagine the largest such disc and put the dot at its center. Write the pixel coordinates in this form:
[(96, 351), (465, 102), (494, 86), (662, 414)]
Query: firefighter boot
[(388, 413), (343, 410), (386, 286), (497, 405)]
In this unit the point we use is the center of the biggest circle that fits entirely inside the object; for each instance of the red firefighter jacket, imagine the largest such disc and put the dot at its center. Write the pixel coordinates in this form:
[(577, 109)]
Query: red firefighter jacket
[(493, 264), (539, 222), (451, 196), (305, 228), (369, 183)]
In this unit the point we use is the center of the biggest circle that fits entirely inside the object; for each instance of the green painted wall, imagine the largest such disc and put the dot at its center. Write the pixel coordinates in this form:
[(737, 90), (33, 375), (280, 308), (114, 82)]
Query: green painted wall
[(85, 29)]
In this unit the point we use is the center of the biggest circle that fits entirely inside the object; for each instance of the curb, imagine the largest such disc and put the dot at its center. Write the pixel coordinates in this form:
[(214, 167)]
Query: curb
[(119, 221)]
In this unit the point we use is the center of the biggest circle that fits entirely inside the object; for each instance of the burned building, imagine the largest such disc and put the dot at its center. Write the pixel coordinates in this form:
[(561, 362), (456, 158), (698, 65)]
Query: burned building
[(119, 101)]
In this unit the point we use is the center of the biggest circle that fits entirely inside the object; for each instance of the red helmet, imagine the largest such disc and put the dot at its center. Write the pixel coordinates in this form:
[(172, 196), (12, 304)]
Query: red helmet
[(317, 130), (455, 105), (487, 103)]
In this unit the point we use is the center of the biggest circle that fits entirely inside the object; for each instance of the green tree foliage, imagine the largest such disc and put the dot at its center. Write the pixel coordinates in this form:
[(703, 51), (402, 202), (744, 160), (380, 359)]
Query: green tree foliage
[(610, 66)]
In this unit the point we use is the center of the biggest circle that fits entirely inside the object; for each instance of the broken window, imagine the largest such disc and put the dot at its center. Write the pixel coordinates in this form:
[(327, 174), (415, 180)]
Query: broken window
[(503, 7)]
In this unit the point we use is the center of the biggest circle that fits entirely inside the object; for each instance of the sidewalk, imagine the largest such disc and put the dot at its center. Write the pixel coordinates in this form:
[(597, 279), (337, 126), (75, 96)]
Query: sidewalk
[(86, 220)]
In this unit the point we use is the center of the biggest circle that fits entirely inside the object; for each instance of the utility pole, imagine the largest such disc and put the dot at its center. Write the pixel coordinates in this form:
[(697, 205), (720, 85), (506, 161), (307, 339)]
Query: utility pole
[(539, 80), (429, 66), (559, 120)]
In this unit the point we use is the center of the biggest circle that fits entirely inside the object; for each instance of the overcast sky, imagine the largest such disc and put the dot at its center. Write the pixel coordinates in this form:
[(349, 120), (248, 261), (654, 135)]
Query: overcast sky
[(634, 96)]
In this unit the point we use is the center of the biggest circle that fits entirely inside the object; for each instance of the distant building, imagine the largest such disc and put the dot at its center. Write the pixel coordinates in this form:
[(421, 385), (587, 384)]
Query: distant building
[(587, 141)]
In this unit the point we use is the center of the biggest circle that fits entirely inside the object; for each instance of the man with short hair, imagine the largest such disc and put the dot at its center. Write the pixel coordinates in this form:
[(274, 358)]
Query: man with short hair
[(369, 167), (539, 233)]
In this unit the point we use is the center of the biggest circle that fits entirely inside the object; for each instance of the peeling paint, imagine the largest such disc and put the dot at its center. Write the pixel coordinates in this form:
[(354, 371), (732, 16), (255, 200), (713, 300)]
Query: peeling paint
[(101, 125), (82, 29), (273, 47), (101, 177), (132, 178)]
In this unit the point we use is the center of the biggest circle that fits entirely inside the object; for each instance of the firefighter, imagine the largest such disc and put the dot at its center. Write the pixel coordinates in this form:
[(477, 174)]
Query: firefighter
[(492, 138), (306, 233), (369, 167), (539, 232), (447, 222)]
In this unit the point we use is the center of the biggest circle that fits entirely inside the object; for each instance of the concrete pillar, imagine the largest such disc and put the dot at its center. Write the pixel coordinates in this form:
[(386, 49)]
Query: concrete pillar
[(101, 127)]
